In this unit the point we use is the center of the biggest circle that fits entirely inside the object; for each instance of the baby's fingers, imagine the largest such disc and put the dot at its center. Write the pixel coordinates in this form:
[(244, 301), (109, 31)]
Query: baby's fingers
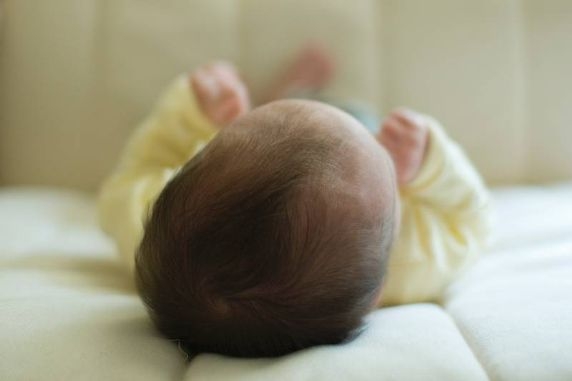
[(229, 110), (410, 119), (392, 128), (205, 85), (400, 133)]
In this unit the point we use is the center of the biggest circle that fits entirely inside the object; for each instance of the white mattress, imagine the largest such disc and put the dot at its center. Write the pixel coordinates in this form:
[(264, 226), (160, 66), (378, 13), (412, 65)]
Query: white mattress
[(68, 312)]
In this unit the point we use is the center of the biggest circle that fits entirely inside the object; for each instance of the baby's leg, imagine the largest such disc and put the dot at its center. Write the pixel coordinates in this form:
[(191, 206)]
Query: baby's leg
[(220, 92), (310, 71)]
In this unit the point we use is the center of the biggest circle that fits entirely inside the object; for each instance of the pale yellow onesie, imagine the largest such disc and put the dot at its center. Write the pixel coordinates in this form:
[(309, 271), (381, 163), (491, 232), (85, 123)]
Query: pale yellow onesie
[(445, 216)]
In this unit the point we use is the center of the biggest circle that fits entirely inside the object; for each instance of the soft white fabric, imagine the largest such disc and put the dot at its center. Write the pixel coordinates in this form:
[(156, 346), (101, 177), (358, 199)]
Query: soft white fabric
[(515, 307), (69, 313), (77, 76)]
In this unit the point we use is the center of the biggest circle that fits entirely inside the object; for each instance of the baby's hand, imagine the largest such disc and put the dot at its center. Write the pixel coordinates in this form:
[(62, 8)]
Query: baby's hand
[(221, 95), (405, 135)]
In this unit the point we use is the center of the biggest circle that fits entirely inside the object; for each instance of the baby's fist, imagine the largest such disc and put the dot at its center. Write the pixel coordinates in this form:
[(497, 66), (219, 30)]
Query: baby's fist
[(220, 93), (405, 135)]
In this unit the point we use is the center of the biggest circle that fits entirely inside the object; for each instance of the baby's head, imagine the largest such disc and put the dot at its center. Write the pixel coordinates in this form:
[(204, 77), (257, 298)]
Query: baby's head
[(274, 238)]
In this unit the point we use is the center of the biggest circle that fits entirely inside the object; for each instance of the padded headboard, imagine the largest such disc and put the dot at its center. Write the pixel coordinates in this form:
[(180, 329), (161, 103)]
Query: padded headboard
[(77, 75)]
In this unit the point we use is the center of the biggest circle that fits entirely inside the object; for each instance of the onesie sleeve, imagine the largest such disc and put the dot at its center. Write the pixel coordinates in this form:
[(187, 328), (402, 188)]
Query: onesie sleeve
[(445, 223), (173, 133)]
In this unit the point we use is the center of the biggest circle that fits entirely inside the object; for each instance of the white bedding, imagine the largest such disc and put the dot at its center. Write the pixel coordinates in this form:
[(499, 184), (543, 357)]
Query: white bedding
[(67, 311)]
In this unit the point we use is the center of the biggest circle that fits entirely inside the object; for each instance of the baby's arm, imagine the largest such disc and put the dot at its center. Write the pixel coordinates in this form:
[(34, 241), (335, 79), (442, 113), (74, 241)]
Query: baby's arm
[(179, 127), (445, 209)]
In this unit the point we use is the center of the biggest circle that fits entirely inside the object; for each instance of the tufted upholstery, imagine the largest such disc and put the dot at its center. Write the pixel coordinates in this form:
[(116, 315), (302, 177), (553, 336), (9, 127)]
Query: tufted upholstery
[(77, 75)]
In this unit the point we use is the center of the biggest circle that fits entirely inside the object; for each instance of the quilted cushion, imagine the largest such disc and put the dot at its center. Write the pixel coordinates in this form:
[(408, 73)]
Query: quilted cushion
[(69, 312)]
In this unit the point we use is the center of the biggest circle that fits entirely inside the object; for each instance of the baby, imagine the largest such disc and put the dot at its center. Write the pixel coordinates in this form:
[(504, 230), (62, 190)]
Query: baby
[(259, 232)]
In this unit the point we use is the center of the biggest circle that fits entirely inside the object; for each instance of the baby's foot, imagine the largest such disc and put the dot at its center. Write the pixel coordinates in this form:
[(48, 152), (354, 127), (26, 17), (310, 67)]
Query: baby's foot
[(221, 95), (311, 70)]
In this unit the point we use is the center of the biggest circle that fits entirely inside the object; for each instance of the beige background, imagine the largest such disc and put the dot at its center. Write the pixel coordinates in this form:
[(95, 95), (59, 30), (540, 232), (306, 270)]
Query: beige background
[(77, 75)]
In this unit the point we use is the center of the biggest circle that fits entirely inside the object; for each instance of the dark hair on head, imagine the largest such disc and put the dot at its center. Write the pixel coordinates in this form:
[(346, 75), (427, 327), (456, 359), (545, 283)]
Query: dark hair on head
[(253, 250)]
